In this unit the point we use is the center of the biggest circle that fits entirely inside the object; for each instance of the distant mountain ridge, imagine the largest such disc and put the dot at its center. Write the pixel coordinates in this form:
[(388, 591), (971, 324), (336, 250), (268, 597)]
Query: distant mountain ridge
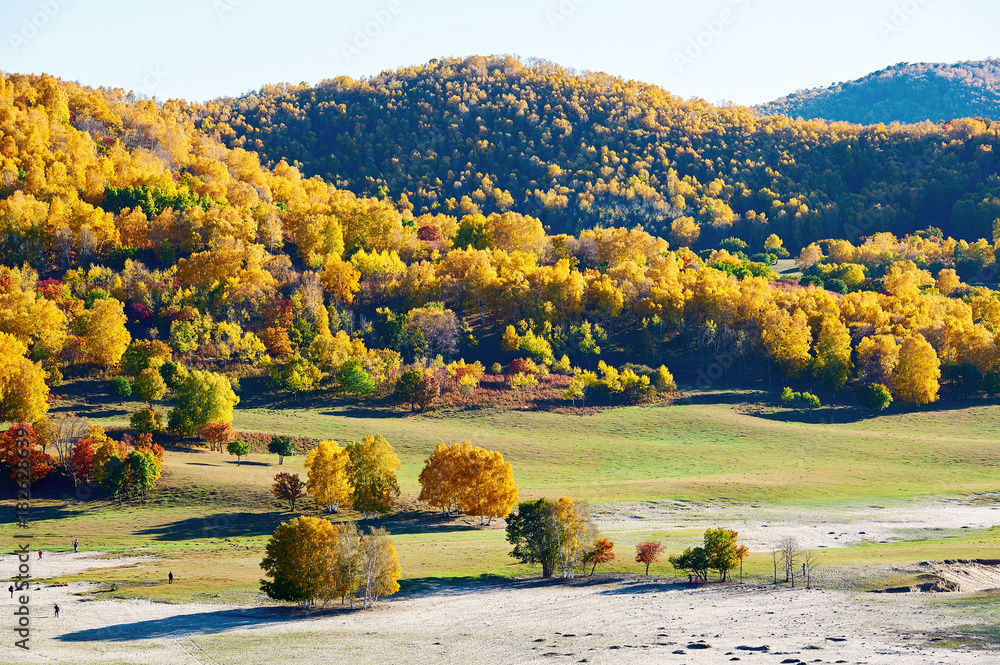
[(908, 93), (464, 136)]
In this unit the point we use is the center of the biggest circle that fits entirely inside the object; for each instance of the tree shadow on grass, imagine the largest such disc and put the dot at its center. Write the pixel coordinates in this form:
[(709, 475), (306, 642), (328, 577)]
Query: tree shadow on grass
[(41, 513), (220, 525), (451, 586), (732, 398), (190, 625), (826, 416), (417, 521), (455, 586), (373, 412)]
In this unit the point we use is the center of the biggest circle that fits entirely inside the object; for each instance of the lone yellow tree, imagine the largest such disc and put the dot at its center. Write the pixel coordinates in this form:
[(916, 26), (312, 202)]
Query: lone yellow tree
[(326, 465)]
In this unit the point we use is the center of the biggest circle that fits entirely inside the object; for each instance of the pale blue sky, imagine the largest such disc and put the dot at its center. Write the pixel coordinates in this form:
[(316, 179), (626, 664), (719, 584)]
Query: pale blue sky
[(758, 50)]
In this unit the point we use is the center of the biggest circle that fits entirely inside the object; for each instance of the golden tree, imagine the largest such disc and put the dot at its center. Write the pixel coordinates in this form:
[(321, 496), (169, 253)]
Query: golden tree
[(440, 479), (685, 231), (574, 532), (372, 474), (326, 466), (809, 257), (877, 359), (833, 354), (299, 558), (379, 566), (918, 372), (488, 489), (106, 337), (23, 393)]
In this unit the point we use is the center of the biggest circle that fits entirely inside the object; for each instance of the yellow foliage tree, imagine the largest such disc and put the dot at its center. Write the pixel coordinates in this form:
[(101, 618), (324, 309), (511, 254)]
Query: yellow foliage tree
[(471, 479), (341, 280), (372, 474), (326, 465), (106, 335), (918, 372), (833, 363), (574, 531), (23, 393), (488, 485), (877, 359)]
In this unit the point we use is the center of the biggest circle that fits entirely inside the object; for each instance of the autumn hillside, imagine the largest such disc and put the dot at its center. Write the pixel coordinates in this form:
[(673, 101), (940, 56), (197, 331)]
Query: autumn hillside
[(138, 248), (492, 134), (906, 93)]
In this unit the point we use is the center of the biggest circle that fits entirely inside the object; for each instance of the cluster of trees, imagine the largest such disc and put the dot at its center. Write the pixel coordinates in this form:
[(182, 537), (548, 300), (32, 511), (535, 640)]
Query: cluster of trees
[(314, 561), (362, 473), (139, 238), (720, 552), (906, 92), (84, 453), (469, 479), (558, 535)]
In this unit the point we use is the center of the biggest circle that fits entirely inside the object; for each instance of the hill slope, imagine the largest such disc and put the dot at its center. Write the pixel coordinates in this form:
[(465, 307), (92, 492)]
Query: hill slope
[(907, 93), (492, 134)]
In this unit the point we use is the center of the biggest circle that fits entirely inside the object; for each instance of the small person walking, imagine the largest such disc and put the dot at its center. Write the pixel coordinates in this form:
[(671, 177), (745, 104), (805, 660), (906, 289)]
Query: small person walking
[(11, 589), (57, 611), (170, 577), (76, 546), (39, 554), (690, 578)]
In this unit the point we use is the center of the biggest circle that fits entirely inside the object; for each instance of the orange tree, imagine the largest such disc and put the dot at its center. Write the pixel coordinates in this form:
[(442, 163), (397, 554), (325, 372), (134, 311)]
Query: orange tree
[(648, 552)]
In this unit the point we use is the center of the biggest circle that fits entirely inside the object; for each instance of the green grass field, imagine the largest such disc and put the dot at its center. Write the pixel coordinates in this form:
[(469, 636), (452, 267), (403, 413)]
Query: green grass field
[(213, 517)]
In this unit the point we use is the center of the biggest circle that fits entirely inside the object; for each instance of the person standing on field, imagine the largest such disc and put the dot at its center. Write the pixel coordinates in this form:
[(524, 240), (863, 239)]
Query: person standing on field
[(170, 577), (76, 546)]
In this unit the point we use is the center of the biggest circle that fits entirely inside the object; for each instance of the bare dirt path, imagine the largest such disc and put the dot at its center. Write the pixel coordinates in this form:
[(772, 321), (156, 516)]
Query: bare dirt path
[(607, 621)]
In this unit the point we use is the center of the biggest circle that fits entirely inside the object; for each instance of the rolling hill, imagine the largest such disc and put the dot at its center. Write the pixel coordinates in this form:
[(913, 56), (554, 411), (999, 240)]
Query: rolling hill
[(491, 134), (906, 93)]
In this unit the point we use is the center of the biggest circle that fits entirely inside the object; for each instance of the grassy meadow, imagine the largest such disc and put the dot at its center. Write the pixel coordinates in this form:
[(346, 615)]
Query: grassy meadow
[(209, 519)]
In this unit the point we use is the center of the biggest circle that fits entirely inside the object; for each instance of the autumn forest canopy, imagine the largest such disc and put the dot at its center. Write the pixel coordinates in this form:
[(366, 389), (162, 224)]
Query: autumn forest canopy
[(468, 230)]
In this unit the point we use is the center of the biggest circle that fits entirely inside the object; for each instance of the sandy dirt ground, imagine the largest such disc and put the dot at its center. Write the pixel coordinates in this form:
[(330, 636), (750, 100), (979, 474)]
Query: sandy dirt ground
[(601, 620), (516, 622), (762, 527)]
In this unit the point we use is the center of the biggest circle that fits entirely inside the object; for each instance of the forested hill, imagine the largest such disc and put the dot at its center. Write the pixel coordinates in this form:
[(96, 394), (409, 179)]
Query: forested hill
[(494, 134), (907, 93)]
